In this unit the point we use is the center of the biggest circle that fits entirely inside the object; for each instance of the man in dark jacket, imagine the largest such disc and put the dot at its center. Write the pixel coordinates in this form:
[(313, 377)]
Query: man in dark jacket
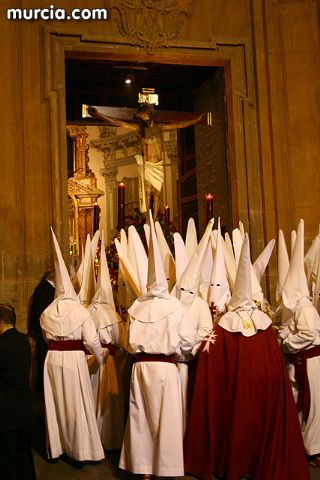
[(42, 296), (16, 415)]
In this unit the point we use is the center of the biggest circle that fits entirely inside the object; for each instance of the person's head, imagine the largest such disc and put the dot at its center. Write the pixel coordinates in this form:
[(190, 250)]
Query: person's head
[(49, 274), (7, 317), (145, 112)]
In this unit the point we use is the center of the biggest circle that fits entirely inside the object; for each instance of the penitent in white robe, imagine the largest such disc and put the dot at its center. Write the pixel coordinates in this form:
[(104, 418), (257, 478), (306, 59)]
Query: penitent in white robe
[(70, 410), (200, 316), (302, 333), (107, 384), (153, 441)]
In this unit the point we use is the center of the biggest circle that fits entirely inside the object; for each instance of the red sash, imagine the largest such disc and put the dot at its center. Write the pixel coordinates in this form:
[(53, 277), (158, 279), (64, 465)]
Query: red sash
[(66, 345), (154, 357), (112, 348), (299, 360)]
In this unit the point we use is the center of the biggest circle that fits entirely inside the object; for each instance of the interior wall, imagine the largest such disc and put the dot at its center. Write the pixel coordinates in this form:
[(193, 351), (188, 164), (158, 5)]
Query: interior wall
[(271, 48), (211, 153)]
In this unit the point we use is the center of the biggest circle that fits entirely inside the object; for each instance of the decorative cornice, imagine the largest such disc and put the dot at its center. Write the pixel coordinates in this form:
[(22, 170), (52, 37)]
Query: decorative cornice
[(82, 188), (151, 24), (117, 142)]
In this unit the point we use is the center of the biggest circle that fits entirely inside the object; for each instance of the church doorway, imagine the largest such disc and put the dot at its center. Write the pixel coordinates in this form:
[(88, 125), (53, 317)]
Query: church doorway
[(101, 156)]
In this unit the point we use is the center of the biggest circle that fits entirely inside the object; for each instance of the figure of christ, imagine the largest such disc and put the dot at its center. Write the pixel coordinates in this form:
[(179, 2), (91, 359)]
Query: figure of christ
[(151, 162)]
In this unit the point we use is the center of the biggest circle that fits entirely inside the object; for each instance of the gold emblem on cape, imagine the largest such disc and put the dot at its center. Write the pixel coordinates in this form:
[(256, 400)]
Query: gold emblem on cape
[(247, 322)]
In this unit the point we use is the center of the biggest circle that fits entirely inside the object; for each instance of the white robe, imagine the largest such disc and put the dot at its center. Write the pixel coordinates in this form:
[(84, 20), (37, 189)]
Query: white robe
[(70, 411), (108, 389), (200, 316), (153, 441), (302, 333)]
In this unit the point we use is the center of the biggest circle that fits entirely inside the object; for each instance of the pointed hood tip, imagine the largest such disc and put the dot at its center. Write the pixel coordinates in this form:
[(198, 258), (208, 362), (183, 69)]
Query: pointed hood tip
[(242, 293), (219, 293), (190, 278), (295, 287), (87, 288), (62, 279), (156, 280)]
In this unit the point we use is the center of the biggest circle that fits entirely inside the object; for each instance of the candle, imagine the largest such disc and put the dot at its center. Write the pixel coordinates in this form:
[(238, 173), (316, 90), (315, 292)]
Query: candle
[(151, 202), (167, 216), (96, 217), (121, 194), (209, 207)]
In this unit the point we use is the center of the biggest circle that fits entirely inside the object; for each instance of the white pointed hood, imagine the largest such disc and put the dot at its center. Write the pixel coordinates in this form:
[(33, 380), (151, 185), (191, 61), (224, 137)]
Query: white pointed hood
[(230, 261), (243, 316), (241, 228), (283, 264), (126, 269), (316, 291), (228, 244), (157, 303), (191, 237), (311, 258), (181, 255), (262, 261), (130, 251), (295, 290), (63, 284), (237, 241), (293, 240), (88, 281), (65, 313), (102, 306), (157, 279), (214, 235), (166, 256), (206, 270), (124, 241), (141, 258), (78, 279), (188, 284), (219, 294), (242, 293), (146, 229), (94, 247)]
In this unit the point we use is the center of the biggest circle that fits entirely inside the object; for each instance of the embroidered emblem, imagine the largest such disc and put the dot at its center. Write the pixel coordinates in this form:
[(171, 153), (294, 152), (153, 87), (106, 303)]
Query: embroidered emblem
[(211, 339), (247, 323)]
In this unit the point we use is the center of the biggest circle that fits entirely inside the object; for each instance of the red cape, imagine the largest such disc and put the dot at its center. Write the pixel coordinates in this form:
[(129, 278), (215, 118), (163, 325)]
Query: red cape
[(242, 416)]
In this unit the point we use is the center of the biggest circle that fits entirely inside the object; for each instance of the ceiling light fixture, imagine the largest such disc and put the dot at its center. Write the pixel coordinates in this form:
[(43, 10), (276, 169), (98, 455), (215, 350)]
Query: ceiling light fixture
[(130, 78)]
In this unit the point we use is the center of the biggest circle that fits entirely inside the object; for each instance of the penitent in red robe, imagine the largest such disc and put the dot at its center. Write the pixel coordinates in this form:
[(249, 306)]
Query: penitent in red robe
[(242, 417)]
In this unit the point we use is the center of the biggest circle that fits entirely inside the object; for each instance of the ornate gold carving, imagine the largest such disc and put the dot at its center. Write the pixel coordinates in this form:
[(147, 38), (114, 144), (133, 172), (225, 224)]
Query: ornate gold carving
[(151, 24)]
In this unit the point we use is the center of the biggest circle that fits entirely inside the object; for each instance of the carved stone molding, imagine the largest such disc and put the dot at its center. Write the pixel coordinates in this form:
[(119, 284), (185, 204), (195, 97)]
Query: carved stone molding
[(116, 142), (80, 135), (151, 24), (107, 131), (110, 176), (84, 192)]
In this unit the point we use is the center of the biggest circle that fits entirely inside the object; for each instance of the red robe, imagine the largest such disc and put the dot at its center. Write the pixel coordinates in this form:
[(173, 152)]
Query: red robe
[(242, 416)]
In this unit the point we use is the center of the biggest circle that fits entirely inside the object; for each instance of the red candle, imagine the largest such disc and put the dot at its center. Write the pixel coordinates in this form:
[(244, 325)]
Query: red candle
[(96, 217), (167, 216), (121, 195), (209, 207)]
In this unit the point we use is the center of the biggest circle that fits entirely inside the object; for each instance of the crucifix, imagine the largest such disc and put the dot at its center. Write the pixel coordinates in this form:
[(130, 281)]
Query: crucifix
[(150, 125)]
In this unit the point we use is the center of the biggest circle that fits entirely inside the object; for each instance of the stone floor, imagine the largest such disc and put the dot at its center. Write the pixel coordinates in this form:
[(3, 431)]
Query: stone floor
[(105, 470)]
